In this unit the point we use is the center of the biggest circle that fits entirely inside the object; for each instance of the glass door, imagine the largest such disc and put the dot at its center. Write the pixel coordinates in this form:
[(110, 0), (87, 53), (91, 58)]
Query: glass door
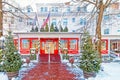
[(49, 47)]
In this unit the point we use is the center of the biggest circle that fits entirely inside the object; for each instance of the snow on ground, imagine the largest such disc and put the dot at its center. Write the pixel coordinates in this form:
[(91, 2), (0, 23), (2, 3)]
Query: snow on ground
[(111, 72), (3, 76)]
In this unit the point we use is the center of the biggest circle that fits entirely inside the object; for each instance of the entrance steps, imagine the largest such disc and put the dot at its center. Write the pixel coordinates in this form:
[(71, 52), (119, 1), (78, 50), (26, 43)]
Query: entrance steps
[(54, 58)]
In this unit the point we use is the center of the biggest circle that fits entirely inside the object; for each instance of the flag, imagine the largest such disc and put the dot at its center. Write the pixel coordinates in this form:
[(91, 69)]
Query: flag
[(35, 20), (46, 20)]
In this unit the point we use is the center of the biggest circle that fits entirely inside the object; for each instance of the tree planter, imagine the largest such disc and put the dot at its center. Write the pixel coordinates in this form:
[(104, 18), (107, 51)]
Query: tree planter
[(12, 59), (12, 74), (90, 60), (89, 74)]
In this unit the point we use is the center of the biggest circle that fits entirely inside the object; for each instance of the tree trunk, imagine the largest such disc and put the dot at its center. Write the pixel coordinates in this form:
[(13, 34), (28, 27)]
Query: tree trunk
[(98, 28), (1, 19)]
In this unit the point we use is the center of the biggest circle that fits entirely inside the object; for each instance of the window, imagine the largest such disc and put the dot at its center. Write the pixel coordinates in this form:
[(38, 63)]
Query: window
[(64, 44), (43, 46), (114, 45), (78, 9), (82, 21), (25, 44), (118, 15), (73, 44), (54, 22), (106, 31), (16, 10), (118, 30), (43, 9), (103, 45), (73, 20), (83, 9), (28, 10), (65, 22), (12, 20), (106, 17), (68, 9), (30, 22), (34, 43), (20, 19), (54, 9)]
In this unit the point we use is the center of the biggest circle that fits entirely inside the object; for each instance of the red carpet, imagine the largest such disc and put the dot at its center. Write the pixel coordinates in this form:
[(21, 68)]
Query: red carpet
[(52, 71), (53, 58)]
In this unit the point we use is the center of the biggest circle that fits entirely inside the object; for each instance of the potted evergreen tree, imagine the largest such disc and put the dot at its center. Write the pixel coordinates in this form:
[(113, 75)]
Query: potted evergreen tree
[(12, 61), (52, 28), (46, 28), (36, 29), (66, 29), (90, 60), (61, 29)]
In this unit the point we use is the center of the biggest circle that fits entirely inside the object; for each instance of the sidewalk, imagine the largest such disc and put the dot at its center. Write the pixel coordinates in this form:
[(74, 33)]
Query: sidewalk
[(46, 71)]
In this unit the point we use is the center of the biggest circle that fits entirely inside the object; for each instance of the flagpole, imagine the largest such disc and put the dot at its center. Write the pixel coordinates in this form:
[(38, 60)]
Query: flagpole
[(49, 19), (37, 19)]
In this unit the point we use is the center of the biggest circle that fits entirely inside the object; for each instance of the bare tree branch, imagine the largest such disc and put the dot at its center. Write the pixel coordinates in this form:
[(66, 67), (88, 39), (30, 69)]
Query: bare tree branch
[(110, 3), (17, 9), (13, 14), (107, 3), (89, 2)]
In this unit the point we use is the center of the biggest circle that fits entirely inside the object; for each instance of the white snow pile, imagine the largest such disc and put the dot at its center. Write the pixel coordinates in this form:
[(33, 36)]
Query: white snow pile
[(117, 59), (3, 76), (111, 72), (76, 71), (24, 69)]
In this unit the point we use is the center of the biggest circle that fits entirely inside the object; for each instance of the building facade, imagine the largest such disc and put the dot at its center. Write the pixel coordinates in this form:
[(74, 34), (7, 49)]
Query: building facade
[(75, 18)]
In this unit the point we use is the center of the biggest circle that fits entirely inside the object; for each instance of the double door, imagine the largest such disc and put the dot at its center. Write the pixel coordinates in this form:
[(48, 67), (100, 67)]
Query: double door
[(49, 46)]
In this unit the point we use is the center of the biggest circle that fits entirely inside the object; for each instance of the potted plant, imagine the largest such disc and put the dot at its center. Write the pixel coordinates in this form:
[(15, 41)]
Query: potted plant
[(90, 60), (1, 59), (33, 54), (65, 53), (12, 60)]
